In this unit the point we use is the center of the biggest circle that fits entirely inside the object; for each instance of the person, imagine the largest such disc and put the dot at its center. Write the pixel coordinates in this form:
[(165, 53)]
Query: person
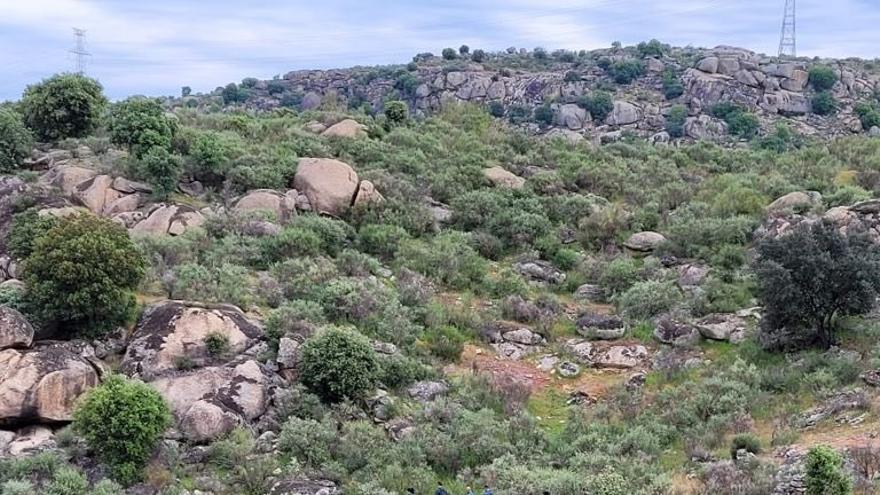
[(411, 491), (440, 489), (487, 490), (470, 491)]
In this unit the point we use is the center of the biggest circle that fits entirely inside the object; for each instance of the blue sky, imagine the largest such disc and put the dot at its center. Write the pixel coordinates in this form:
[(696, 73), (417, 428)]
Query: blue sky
[(154, 47)]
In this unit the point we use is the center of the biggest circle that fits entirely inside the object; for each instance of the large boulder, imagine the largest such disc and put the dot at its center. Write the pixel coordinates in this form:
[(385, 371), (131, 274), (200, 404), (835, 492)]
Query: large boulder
[(209, 402), (795, 201), (540, 271), (172, 332), (329, 184), (367, 194), (624, 113), (644, 242), (167, 220), (500, 177), (42, 384), (572, 116), (676, 333), (426, 391), (621, 356), (722, 326), (281, 205), (704, 127), (600, 327), (15, 330), (347, 128)]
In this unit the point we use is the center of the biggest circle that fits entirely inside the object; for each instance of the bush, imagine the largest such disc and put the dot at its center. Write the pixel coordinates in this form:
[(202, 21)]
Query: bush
[(672, 87), (743, 124), (68, 481), (339, 363), (825, 473), (745, 441), (496, 109), (27, 227), (478, 56), (309, 441), (824, 103), (626, 71), (122, 420), (16, 140), (445, 342), (17, 487), (234, 93), (396, 112), (652, 48), (381, 239), (519, 114), (544, 115), (63, 106), (599, 104), (82, 274), (813, 274), (161, 170), (869, 114), (822, 77), (449, 54), (675, 120), (649, 298), (448, 258), (464, 49), (140, 124)]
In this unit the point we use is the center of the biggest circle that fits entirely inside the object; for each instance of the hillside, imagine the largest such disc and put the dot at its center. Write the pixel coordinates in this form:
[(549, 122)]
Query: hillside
[(213, 295), (644, 82)]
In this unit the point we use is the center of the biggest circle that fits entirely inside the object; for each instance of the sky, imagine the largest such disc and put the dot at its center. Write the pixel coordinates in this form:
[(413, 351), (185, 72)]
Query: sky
[(154, 47)]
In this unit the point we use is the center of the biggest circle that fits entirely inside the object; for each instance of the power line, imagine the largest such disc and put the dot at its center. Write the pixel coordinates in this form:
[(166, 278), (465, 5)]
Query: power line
[(787, 40), (79, 50)]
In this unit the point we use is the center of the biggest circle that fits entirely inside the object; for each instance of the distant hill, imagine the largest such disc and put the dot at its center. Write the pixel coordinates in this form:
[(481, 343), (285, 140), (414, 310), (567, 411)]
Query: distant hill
[(567, 93)]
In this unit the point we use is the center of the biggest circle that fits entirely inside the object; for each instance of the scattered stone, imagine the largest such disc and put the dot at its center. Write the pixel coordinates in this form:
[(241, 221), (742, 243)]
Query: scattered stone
[(589, 292), (843, 401), (426, 391), (795, 201), (502, 178), (580, 398), (676, 333), (636, 380), (722, 326), (288, 353), (601, 327), (644, 243), (568, 369), (540, 271)]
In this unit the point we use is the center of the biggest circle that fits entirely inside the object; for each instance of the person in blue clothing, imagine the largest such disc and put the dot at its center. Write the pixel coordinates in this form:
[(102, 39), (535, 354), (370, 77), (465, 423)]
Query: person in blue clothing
[(440, 489), (487, 490), (470, 491)]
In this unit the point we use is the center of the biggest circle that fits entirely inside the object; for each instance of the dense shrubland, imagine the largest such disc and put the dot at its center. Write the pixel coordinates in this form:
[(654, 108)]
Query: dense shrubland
[(388, 272)]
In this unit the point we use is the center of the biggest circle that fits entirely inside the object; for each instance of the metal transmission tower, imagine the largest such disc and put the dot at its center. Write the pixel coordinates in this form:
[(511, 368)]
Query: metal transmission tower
[(79, 50), (787, 41)]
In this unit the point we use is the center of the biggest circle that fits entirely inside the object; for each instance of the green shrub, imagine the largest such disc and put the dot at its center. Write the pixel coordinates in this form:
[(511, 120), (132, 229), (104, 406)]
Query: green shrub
[(544, 115), (672, 86), (140, 124), (626, 71), (122, 421), (217, 344), (17, 487), (63, 106), (83, 272), (381, 239), (599, 104), (107, 487), (649, 298), (446, 342), (653, 48), (822, 77), (447, 258), (449, 54), (220, 283), (68, 481), (743, 124), (869, 114), (825, 473), (478, 56), (824, 103), (339, 363), (745, 441), (27, 227), (396, 112), (308, 440), (619, 275), (16, 141), (675, 120), (519, 114), (161, 170), (233, 93), (496, 109)]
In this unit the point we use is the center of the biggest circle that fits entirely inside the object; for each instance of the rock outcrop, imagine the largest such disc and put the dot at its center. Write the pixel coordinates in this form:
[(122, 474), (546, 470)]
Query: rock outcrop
[(173, 334), (329, 184), (15, 330)]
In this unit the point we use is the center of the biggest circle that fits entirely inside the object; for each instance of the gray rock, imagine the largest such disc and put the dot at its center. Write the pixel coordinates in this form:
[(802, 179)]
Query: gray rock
[(722, 326), (288, 353), (624, 113), (676, 333), (540, 271), (589, 292), (568, 369), (15, 330), (601, 327), (426, 391), (644, 242)]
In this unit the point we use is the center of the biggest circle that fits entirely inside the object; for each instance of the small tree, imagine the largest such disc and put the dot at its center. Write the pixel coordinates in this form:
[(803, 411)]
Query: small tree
[(653, 48), (63, 106), (234, 93), (122, 420), (396, 112), (162, 170), (140, 124), (339, 363), (464, 50), (544, 115), (626, 71), (16, 140), (185, 91), (27, 227), (822, 78), (599, 104), (478, 56), (824, 472), (82, 274), (675, 120), (812, 274), (449, 54)]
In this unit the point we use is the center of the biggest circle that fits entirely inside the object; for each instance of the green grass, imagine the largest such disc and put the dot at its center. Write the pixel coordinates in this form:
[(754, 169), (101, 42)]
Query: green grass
[(549, 405)]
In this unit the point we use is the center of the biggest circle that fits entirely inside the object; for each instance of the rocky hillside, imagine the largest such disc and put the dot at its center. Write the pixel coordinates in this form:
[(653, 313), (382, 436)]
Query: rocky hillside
[(775, 90)]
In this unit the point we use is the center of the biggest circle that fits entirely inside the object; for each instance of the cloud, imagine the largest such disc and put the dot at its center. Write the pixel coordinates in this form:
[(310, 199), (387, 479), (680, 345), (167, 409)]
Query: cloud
[(156, 47)]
